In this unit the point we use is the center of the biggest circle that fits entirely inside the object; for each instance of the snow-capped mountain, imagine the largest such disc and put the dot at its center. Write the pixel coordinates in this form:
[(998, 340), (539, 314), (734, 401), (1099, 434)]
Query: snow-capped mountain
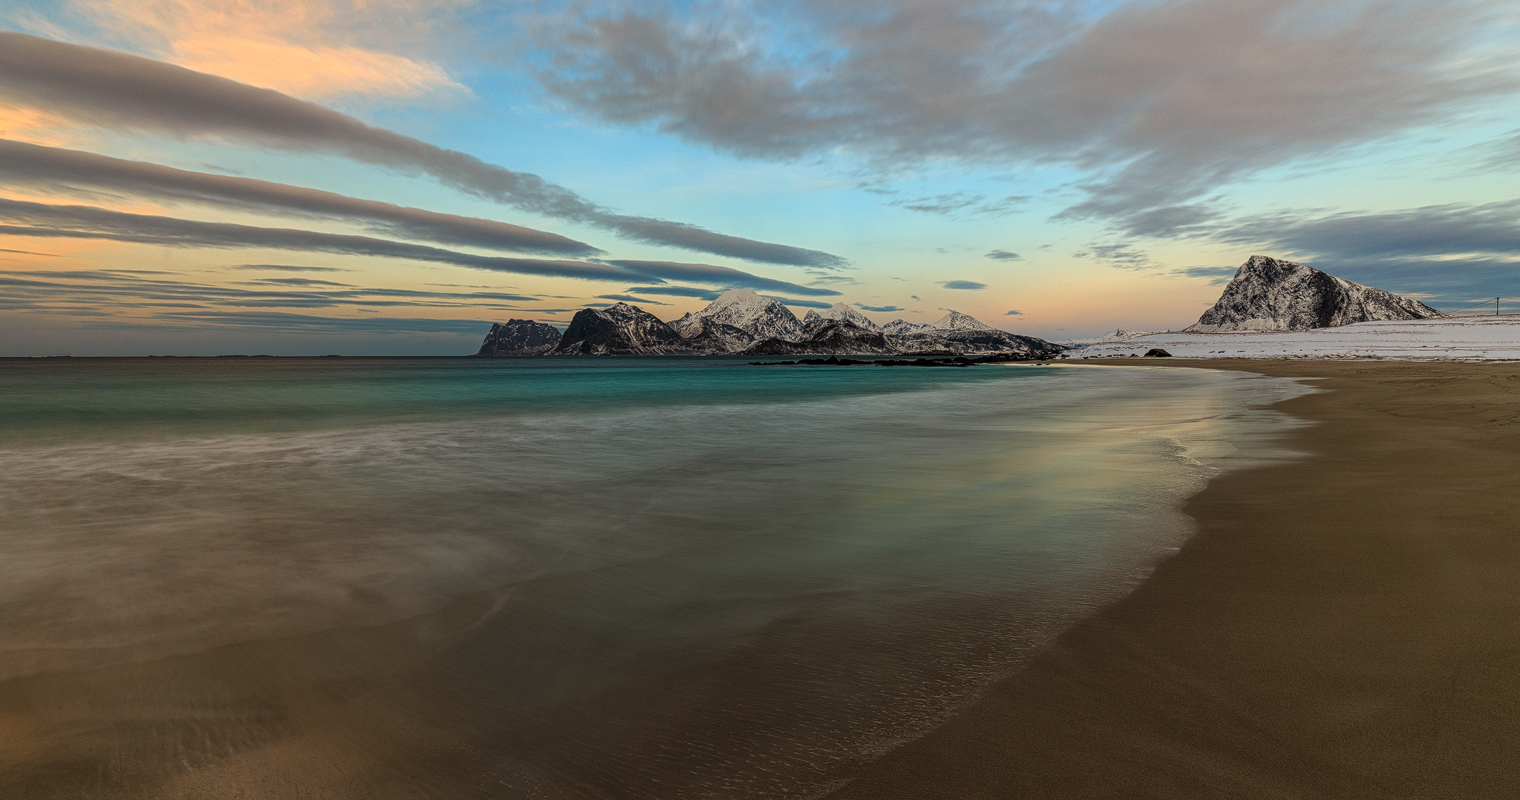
[(519, 337), (956, 321), (619, 329), (899, 327), (760, 317), (838, 311), (1268, 294)]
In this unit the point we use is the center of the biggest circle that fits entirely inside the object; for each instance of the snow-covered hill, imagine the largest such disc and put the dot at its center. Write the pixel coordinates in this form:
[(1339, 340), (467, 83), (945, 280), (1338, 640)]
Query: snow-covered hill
[(1449, 338), (1268, 294)]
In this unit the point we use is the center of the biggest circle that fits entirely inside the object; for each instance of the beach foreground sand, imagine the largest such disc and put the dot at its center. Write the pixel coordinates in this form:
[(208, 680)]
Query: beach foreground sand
[(1346, 626)]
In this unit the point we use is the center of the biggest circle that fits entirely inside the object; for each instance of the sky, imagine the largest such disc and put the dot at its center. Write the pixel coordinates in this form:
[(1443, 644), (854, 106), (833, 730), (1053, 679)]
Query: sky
[(370, 177)]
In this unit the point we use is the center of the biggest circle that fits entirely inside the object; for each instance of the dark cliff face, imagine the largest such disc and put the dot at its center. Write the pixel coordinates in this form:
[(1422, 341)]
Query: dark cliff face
[(519, 337), (828, 337), (1270, 294), (619, 329)]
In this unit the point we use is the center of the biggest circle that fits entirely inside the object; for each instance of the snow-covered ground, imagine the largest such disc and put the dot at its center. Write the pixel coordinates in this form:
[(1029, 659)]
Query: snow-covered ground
[(1453, 338)]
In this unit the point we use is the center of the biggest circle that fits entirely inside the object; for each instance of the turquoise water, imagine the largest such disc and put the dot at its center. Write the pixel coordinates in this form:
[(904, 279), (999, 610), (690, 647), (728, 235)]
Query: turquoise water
[(50, 400), (579, 578)]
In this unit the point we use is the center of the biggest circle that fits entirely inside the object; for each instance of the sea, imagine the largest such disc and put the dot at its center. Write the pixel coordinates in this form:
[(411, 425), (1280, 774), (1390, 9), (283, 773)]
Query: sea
[(560, 578)]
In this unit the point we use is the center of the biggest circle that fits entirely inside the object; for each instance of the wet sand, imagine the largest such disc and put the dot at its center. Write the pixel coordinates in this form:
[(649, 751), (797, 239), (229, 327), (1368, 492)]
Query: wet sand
[(1343, 627)]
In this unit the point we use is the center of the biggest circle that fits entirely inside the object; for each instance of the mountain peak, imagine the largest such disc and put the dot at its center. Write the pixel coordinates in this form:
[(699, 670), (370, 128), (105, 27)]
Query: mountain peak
[(619, 328), (759, 316), (519, 337), (1270, 294), (956, 321), (843, 313)]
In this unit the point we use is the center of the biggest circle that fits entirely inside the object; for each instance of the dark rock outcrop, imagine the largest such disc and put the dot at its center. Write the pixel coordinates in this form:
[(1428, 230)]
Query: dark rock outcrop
[(619, 329), (972, 340), (519, 337), (1269, 294), (1156, 352), (829, 336)]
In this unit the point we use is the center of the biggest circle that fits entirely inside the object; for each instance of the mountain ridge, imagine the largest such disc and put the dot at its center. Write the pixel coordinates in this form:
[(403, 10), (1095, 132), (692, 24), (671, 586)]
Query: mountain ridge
[(624, 329)]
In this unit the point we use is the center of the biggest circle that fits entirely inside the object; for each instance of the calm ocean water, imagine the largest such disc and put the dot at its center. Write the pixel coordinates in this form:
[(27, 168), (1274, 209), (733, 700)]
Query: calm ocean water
[(557, 578)]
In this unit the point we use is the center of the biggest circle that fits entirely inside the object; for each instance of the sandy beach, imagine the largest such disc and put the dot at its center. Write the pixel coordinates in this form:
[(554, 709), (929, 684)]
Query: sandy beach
[(1345, 626)]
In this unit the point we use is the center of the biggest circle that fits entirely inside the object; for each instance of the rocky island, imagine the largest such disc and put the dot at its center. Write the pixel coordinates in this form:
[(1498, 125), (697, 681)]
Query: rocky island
[(742, 322)]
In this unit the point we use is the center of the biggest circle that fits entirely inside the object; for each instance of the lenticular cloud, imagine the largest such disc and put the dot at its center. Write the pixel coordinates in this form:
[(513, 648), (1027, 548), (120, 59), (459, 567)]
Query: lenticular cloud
[(116, 90)]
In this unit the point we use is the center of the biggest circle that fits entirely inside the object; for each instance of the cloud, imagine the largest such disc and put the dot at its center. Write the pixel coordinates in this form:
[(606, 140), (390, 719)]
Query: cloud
[(792, 301), (676, 291), (1013, 313), (100, 291), (285, 268), (628, 298), (1437, 230), (721, 276), (915, 297), (1003, 255), (89, 222), (966, 285), (1159, 103), (315, 72), (1505, 153), (1217, 275), (305, 323), (62, 170), (1121, 255), (297, 282), (882, 309), (1454, 251), (114, 90), (310, 48), (834, 280), (951, 202)]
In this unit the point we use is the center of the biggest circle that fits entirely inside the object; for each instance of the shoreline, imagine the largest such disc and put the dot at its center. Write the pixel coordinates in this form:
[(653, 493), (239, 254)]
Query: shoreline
[(1345, 626)]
